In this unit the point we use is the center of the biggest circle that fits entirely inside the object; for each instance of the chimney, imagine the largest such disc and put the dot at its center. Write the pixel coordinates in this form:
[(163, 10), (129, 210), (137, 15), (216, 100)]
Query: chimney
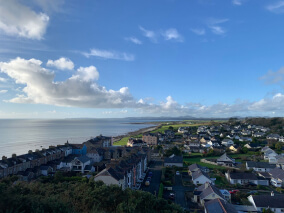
[(50, 147), (30, 151), (272, 193), (14, 155), (206, 185), (37, 150), (4, 157)]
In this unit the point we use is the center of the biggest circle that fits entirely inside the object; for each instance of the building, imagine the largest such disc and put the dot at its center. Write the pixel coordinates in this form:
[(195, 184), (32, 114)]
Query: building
[(135, 142), (195, 167), (219, 206), (227, 142), (207, 192), (225, 160), (150, 138), (200, 177), (277, 177), (273, 202), (259, 166), (244, 178), (174, 161)]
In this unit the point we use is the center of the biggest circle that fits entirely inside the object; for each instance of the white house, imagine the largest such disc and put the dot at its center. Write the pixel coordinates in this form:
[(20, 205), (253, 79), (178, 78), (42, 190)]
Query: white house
[(200, 177), (245, 178), (277, 177), (273, 202), (79, 163), (259, 166), (227, 142)]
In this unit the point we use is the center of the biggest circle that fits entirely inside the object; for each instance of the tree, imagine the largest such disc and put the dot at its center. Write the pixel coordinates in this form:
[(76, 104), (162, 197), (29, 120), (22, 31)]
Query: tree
[(278, 146)]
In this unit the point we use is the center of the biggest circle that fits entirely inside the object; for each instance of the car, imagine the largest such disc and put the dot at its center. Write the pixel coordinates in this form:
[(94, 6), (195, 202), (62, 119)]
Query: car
[(148, 178), (150, 174), (252, 192), (172, 196), (177, 173), (147, 183), (234, 191)]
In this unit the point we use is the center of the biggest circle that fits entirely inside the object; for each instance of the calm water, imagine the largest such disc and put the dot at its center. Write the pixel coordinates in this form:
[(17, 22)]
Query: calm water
[(19, 136)]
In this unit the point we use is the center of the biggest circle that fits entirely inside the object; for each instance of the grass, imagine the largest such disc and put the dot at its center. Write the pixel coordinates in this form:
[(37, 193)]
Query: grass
[(121, 142)]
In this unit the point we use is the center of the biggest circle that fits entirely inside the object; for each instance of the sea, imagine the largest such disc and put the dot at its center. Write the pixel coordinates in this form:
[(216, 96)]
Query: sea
[(21, 135)]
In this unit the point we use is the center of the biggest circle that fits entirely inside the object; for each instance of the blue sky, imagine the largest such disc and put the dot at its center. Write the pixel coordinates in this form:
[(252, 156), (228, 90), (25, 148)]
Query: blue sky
[(61, 59)]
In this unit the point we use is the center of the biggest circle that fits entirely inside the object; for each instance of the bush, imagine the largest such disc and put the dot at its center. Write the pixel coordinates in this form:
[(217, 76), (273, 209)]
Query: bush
[(161, 190)]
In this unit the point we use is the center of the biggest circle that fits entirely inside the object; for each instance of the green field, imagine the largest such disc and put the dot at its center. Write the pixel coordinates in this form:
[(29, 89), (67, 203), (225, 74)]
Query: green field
[(121, 142)]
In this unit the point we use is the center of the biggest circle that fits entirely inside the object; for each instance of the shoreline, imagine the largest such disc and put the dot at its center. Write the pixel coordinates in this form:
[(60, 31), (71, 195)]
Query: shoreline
[(137, 132)]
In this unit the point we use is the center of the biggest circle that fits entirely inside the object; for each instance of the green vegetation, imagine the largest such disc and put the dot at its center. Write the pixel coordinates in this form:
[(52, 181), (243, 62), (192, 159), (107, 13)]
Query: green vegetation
[(76, 196), (121, 142), (161, 190)]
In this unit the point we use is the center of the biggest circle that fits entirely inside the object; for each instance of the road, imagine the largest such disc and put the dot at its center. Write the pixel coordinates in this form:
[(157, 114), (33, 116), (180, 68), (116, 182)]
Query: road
[(156, 168)]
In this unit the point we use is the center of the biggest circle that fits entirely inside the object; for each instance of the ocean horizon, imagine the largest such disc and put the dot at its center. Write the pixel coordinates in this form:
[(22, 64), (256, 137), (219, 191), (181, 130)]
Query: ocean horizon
[(21, 135)]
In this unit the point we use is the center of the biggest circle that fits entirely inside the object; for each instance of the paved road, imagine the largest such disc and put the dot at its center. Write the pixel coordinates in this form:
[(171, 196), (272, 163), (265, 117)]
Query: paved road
[(156, 168)]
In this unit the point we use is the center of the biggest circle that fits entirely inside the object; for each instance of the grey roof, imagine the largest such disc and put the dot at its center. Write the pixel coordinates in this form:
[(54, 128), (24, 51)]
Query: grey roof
[(209, 190), (83, 159), (219, 206), (260, 165), (225, 157), (266, 201), (194, 166), (277, 173), (244, 208), (243, 175), (199, 173), (175, 159)]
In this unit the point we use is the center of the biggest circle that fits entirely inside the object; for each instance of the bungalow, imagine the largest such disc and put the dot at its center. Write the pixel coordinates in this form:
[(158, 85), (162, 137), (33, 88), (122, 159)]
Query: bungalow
[(245, 178), (173, 161), (227, 142), (273, 136), (225, 160), (259, 166), (258, 134), (207, 192), (219, 206), (262, 202), (200, 177), (277, 177), (243, 139), (252, 146), (234, 148)]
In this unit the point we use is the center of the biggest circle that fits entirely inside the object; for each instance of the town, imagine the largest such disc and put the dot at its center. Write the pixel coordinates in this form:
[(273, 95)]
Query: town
[(203, 166)]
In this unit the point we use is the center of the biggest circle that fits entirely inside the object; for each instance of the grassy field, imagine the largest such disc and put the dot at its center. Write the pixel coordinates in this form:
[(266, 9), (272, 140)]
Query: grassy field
[(121, 142)]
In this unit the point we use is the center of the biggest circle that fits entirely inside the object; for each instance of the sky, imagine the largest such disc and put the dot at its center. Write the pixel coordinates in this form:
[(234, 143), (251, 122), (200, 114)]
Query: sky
[(114, 59)]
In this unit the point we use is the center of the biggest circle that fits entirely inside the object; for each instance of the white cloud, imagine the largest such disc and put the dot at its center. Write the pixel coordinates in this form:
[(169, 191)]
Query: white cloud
[(3, 91), (106, 54), (19, 20), (80, 90), (277, 7), (172, 34), (133, 40), (237, 2), (61, 64), (3, 79), (214, 25), (198, 31), (274, 77), (149, 34)]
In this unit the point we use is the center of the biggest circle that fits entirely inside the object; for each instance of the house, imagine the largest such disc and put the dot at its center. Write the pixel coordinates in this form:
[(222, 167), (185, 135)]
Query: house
[(79, 149), (277, 177), (219, 206), (273, 136), (258, 134), (269, 153), (252, 146), (262, 202), (45, 170), (100, 141), (234, 148), (200, 177), (245, 139), (246, 132), (174, 161), (227, 142), (94, 154), (207, 192), (109, 176), (259, 166), (195, 167), (79, 164), (281, 139), (135, 142), (225, 160), (150, 138), (244, 178)]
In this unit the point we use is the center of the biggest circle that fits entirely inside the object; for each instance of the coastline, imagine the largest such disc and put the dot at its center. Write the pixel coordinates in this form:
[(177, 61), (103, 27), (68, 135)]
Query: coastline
[(137, 132)]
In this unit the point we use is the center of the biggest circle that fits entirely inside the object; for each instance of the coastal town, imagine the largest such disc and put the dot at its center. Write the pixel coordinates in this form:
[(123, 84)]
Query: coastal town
[(232, 165)]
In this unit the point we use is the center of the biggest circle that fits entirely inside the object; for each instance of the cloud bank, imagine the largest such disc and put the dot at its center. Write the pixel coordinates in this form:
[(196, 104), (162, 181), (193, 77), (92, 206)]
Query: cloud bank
[(82, 90)]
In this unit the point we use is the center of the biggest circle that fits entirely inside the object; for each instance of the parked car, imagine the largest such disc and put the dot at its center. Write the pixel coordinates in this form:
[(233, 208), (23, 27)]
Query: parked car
[(148, 178), (147, 183), (172, 196), (177, 173), (150, 174), (252, 192), (234, 191)]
